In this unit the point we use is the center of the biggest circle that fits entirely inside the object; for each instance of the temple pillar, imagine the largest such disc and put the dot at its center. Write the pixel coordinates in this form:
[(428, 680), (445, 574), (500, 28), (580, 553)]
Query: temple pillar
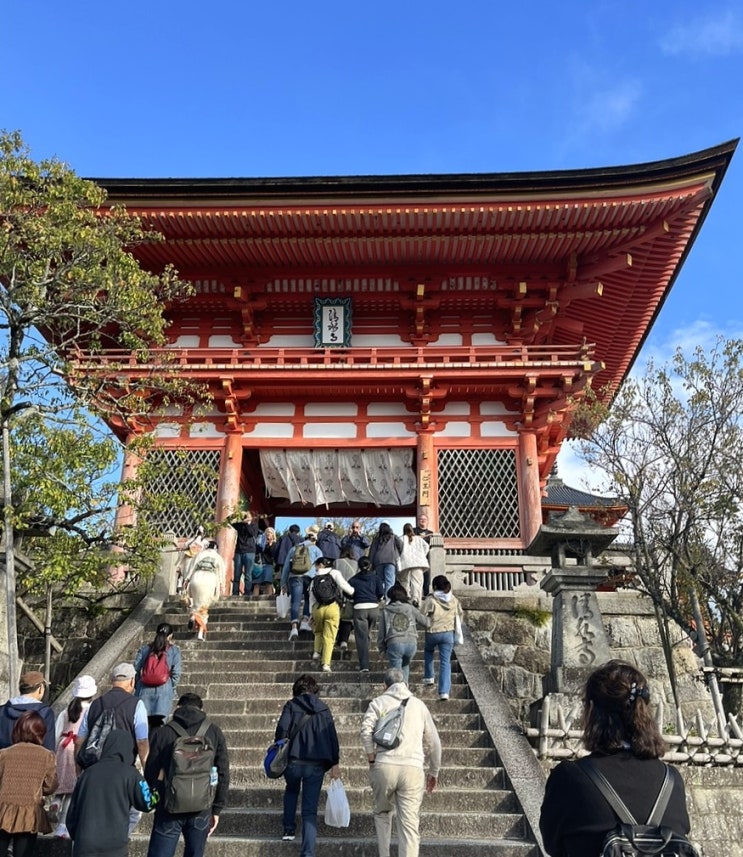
[(428, 503), (126, 515), (530, 491), (228, 498)]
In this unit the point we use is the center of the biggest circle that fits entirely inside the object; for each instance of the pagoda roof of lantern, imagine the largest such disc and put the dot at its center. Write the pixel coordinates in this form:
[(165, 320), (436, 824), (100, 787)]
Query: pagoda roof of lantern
[(573, 255)]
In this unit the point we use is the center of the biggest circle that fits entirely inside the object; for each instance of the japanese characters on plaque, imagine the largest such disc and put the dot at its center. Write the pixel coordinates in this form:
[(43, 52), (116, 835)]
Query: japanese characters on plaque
[(332, 322)]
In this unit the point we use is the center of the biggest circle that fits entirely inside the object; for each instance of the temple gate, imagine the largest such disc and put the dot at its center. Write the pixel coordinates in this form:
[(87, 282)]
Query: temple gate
[(409, 344)]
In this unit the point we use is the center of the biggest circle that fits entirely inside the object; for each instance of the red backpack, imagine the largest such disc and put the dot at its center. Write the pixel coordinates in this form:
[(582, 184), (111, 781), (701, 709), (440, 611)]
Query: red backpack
[(155, 670)]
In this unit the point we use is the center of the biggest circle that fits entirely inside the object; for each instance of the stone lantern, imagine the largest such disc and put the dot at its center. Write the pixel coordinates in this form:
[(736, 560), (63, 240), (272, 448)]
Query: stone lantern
[(579, 642)]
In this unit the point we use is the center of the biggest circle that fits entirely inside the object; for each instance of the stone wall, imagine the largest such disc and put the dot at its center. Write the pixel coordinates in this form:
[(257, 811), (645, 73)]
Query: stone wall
[(513, 632), (81, 628)]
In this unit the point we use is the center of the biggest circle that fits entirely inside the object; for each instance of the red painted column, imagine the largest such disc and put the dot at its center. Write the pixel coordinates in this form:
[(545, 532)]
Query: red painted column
[(228, 498), (530, 491), (125, 516), (428, 498)]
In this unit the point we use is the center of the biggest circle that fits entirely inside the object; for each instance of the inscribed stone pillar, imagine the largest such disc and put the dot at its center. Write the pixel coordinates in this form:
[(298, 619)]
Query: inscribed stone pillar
[(579, 640)]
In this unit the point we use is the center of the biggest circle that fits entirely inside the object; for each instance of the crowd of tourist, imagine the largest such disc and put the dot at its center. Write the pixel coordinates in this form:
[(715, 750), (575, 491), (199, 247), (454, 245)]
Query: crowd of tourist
[(89, 774)]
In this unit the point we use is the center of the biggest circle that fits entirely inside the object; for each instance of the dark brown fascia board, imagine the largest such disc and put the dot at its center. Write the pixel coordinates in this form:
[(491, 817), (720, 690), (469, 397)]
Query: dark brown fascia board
[(715, 159)]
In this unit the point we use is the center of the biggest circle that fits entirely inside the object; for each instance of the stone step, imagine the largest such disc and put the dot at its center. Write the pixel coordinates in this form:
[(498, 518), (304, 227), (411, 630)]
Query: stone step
[(329, 846), (246, 769), (345, 721), (235, 821), (271, 705), (464, 756), (359, 797)]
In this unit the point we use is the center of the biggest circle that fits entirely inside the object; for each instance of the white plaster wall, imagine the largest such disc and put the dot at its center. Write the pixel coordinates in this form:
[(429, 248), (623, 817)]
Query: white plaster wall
[(274, 409), (205, 430), (332, 409), (330, 430), (390, 430), (455, 429), (167, 430), (222, 341), (272, 430), (486, 339), (491, 428), (456, 409), (387, 409)]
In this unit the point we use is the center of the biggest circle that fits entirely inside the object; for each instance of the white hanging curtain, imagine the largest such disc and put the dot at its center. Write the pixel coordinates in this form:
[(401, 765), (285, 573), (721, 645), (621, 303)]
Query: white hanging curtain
[(320, 477)]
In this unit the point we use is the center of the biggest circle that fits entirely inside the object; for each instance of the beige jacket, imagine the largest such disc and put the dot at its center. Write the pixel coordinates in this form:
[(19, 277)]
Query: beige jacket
[(420, 744), (442, 613)]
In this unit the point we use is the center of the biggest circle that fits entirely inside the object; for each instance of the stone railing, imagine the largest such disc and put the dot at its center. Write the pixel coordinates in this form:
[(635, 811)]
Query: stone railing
[(697, 743)]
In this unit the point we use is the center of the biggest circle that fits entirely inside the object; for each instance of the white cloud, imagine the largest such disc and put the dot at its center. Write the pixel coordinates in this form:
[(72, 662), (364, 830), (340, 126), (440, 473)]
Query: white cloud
[(609, 108), (706, 36)]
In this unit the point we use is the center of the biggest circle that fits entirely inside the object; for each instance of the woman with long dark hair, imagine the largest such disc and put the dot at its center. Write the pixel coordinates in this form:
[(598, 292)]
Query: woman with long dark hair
[(385, 553), (28, 771), (158, 666), (625, 746), (413, 563)]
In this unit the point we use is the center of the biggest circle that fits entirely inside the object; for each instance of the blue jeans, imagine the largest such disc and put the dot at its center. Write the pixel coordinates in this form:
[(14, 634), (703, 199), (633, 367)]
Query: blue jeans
[(444, 641), (387, 572), (308, 776), (299, 588), (400, 654), (243, 565), (168, 828)]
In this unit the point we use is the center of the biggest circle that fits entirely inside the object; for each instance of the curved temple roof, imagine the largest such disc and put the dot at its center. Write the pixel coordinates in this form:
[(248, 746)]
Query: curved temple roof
[(566, 257)]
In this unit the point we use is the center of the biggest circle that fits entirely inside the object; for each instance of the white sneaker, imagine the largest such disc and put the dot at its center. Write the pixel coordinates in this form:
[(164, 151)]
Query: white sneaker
[(61, 832), (200, 636), (443, 696), (316, 656), (305, 626), (326, 668), (427, 682), (293, 634)]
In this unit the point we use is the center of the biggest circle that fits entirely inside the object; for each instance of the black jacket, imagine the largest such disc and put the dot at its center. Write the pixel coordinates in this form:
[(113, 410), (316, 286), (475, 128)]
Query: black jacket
[(161, 749), (317, 740), (576, 817), (12, 710), (98, 817)]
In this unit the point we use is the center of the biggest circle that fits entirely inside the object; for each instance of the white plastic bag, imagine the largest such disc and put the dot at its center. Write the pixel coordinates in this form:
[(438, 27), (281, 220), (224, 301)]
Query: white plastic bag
[(283, 605), (458, 635), (337, 810)]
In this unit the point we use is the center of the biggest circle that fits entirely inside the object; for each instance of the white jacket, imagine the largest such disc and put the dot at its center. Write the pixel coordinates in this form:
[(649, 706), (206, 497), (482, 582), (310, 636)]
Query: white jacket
[(414, 554), (420, 742)]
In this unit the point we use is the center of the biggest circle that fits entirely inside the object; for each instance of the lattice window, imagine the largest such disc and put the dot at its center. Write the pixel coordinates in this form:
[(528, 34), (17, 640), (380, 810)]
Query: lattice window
[(193, 474), (478, 494)]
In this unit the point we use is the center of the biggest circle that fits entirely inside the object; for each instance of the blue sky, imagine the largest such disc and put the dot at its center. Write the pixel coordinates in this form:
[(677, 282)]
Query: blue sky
[(245, 89)]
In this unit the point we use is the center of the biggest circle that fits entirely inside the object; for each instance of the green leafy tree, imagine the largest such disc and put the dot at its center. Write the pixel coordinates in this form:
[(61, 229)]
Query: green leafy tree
[(670, 445), (72, 294)]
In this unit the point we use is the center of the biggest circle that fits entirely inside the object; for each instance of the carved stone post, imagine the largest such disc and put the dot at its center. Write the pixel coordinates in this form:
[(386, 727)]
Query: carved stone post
[(579, 641)]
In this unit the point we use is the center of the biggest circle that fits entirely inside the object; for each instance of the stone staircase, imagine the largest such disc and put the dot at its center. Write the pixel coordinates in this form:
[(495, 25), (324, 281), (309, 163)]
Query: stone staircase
[(244, 673)]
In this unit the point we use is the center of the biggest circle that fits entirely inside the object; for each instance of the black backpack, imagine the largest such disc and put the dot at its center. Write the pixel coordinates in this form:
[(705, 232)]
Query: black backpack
[(108, 719), (325, 589), (630, 839), (190, 781)]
